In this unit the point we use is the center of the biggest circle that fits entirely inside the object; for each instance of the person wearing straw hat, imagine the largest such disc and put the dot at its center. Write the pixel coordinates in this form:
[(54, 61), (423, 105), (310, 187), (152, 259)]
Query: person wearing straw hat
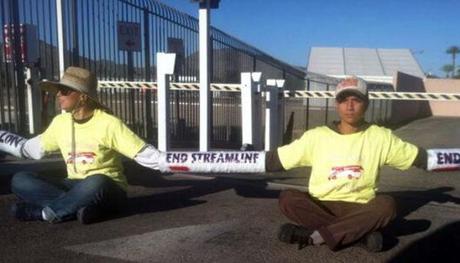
[(91, 141)]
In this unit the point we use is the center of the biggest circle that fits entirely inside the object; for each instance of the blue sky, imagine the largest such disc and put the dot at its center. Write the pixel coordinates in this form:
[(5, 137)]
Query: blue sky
[(287, 29)]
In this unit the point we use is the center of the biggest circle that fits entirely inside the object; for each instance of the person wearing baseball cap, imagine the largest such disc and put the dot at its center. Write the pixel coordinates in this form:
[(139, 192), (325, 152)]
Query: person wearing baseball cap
[(352, 86), (341, 206), (91, 142)]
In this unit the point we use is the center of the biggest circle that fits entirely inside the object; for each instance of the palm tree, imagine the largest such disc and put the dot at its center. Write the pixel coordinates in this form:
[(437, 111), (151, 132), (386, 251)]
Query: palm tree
[(453, 50), (448, 68)]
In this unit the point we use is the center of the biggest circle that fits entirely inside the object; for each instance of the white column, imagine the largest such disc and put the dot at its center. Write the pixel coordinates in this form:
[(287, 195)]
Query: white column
[(273, 112), (33, 100), (61, 36), (165, 68), (205, 99), (250, 109)]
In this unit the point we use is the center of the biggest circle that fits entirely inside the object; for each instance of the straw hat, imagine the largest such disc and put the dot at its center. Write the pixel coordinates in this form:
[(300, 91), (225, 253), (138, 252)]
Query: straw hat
[(79, 79)]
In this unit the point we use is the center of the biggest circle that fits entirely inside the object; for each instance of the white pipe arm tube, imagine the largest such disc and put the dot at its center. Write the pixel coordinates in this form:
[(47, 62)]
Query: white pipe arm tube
[(21, 147), (201, 162), (212, 162), (443, 159), (11, 143)]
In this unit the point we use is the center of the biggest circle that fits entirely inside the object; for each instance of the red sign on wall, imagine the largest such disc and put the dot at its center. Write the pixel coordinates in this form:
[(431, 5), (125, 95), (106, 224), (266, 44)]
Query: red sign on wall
[(28, 42), (8, 45)]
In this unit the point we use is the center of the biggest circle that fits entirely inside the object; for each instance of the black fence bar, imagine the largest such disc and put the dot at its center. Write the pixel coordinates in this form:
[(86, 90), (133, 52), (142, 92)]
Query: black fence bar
[(91, 41)]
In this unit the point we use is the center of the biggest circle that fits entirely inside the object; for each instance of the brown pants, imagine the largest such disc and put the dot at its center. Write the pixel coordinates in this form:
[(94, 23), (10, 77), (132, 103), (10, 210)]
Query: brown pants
[(339, 223)]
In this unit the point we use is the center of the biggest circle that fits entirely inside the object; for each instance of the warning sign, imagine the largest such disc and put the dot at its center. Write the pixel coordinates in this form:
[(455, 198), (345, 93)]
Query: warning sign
[(129, 36)]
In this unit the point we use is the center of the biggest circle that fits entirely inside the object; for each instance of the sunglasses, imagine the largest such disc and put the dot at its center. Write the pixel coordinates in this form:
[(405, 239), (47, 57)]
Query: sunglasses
[(64, 90)]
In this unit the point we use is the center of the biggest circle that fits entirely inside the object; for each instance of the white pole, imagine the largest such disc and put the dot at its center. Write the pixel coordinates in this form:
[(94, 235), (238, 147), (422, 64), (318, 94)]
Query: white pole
[(250, 109), (246, 108), (165, 67), (256, 110), (205, 116), (272, 114), (61, 36), (30, 104)]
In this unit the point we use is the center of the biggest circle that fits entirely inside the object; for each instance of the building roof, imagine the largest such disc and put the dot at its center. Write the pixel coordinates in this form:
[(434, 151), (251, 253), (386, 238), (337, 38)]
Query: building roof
[(372, 64)]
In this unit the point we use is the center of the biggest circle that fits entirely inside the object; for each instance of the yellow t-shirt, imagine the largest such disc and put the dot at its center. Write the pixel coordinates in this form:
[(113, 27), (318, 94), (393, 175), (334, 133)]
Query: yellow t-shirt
[(345, 167), (97, 145)]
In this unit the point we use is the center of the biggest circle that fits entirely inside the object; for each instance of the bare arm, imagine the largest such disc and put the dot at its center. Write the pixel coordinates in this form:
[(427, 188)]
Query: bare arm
[(272, 162)]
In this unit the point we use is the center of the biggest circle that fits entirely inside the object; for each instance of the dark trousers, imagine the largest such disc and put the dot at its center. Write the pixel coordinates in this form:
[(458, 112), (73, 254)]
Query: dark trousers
[(339, 223), (64, 197)]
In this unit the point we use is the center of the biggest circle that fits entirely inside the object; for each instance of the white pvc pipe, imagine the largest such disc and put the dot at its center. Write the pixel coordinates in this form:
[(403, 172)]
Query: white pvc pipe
[(61, 36), (205, 116), (165, 67)]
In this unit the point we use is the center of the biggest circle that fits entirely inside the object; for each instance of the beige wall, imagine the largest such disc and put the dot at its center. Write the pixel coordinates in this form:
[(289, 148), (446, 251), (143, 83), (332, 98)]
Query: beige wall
[(444, 108)]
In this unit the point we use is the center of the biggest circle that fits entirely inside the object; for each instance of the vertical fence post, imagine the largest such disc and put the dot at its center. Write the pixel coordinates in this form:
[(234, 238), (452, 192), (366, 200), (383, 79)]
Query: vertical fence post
[(205, 96), (165, 68), (132, 100), (148, 78), (19, 69), (274, 112), (250, 109), (75, 46)]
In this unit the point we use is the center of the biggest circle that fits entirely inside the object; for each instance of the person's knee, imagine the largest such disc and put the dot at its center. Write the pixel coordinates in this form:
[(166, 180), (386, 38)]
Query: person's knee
[(386, 205), (20, 180), (98, 183), (98, 179), (287, 198)]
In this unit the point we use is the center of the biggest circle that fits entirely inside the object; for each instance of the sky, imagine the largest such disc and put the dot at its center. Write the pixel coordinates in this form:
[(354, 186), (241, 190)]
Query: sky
[(287, 29)]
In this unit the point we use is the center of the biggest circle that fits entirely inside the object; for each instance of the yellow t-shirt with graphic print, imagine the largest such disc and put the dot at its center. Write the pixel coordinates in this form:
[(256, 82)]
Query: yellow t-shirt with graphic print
[(98, 144), (346, 167)]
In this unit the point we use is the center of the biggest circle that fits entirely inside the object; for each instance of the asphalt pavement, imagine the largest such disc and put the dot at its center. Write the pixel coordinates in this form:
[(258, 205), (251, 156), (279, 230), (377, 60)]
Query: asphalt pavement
[(234, 218)]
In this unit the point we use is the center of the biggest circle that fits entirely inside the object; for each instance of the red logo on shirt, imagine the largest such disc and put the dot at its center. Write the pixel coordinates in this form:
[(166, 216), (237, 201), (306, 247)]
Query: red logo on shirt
[(81, 157), (349, 171)]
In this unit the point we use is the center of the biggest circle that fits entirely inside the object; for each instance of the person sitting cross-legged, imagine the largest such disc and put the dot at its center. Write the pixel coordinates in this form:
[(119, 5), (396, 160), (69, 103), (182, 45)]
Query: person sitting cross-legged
[(91, 142), (341, 206)]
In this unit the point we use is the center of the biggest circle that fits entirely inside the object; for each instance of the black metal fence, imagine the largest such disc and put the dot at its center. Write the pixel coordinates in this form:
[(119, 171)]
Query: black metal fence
[(130, 104), (303, 114), (90, 41)]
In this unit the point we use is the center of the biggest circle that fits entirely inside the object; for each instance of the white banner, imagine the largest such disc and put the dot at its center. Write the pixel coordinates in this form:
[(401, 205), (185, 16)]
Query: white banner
[(443, 159), (212, 162)]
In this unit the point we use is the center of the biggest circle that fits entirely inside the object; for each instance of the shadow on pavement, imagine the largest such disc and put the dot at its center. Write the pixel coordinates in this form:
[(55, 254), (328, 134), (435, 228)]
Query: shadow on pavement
[(150, 191), (408, 202), (443, 245), (172, 193)]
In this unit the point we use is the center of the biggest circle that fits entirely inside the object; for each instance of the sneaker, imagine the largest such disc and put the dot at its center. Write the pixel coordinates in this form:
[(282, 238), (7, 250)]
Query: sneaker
[(26, 211), (291, 234), (372, 242), (90, 214)]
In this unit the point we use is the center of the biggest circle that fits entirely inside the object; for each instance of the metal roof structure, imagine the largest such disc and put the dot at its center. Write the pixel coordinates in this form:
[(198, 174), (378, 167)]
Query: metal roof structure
[(371, 64)]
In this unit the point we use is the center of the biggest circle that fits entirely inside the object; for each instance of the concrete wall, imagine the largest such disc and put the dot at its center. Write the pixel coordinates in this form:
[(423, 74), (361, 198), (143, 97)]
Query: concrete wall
[(444, 108), (402, 110)]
